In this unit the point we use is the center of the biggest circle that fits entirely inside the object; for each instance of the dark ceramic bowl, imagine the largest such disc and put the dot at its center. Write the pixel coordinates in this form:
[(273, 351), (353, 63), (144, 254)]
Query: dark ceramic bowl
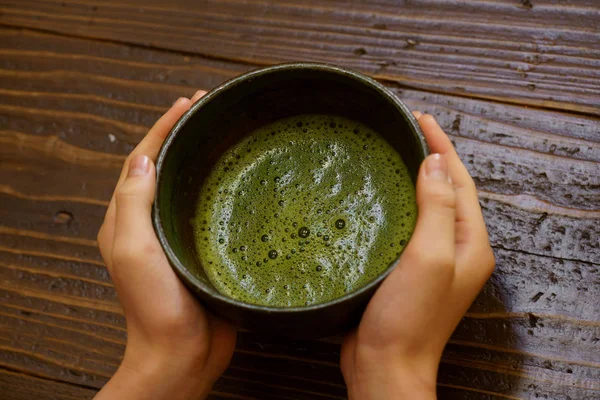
[(217, 122)]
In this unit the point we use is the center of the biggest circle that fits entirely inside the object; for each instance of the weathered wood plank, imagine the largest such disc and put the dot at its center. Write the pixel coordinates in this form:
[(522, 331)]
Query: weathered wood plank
[(19, 386), (516, 149), (59, 317), (535, 52), (298, 365)]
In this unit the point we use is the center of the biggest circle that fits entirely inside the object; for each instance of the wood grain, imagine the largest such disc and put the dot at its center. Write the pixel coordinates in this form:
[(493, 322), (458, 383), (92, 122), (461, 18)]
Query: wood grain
[(502, 50), (18, 386), (71, 111)]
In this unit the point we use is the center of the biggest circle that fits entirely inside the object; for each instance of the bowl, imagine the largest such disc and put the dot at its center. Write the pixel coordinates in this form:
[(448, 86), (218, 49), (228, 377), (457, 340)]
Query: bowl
[(218, 121)]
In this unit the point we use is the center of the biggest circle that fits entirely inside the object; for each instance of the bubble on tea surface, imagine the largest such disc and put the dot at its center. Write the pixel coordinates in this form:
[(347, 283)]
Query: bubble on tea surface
[(303, 232)]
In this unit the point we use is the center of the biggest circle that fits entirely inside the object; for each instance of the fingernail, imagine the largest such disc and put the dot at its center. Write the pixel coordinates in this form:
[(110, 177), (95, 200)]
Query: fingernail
[(139, 165), (436, 167), (417, 114), (181, 101)]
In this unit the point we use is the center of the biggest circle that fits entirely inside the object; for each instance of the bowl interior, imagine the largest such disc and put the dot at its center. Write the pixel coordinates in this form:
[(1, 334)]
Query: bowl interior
[(225, 115)]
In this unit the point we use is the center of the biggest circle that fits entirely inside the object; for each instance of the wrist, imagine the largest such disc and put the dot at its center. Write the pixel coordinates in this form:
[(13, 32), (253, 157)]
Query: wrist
[(151, 376), (384, 378), (398, 385), (166, 376)]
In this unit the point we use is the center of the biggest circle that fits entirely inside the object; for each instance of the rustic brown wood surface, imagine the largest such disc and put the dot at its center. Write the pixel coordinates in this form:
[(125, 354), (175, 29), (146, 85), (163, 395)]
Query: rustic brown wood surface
[(524, 51), (515, 83)]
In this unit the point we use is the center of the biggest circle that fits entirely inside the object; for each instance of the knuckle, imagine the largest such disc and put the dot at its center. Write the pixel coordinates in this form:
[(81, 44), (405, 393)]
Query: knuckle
[(488, 259), (442, 195), (134, 188), (470, 184), (126, 190), (151, 249), (130, 156), (101, 236), (467, 185), (122, 257), (173, 321), (104, 242), (126, 254), (483, 259), (439, 262), (430, 259), (410, 253)]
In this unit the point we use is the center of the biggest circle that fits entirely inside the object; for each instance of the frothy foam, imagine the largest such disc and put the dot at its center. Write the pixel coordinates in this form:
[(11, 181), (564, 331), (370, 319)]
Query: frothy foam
[(302, 211)]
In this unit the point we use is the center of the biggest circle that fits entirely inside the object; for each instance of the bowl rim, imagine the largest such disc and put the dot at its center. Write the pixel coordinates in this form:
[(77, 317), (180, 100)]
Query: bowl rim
[(189, 278)]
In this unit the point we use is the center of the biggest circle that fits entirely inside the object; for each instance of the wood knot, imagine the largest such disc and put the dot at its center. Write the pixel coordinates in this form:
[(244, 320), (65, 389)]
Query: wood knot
[(410, 43), (456, 123), (63, 217), (533, 320)]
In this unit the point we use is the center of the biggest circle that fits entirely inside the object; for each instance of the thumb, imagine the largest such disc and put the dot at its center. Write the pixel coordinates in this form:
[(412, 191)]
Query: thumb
[(133, 201), (147, 287), (433, 238)]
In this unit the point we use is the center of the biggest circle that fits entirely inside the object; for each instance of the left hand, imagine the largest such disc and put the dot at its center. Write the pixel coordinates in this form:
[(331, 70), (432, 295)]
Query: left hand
[(175, 348)]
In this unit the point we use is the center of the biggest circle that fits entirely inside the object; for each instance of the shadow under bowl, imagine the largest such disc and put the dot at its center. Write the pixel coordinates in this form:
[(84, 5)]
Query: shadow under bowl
[(217, 122)]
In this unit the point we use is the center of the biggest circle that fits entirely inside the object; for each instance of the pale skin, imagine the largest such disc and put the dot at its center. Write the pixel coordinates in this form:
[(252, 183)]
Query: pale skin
[(177, 350)]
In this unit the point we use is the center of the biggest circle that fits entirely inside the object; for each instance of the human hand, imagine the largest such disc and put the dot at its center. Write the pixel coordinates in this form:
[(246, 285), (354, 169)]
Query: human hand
[(396, 350), (175, 349)]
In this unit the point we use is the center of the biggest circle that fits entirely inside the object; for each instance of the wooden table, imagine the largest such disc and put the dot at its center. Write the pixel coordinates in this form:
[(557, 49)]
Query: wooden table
[(515, 83)]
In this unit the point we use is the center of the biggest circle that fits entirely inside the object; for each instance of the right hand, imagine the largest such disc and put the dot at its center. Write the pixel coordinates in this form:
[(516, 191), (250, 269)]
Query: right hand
[(396, 350)]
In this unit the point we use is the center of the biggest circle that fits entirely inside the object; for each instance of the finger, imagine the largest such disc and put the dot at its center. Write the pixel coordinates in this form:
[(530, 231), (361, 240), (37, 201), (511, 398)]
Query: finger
[(417, 114), (426, 268), (132, 207), (139, 266), (432, 245), (149, 146), (106, 234), (347, 353), (151, 143), (473, 252), (223, 340), (471, 278), (105, 241), (133, 202), (197, 96), (470, 223), (137, 257)]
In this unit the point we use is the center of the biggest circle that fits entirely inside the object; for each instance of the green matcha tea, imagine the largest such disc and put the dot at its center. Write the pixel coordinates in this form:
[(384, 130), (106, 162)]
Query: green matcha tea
[(303, 211)]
